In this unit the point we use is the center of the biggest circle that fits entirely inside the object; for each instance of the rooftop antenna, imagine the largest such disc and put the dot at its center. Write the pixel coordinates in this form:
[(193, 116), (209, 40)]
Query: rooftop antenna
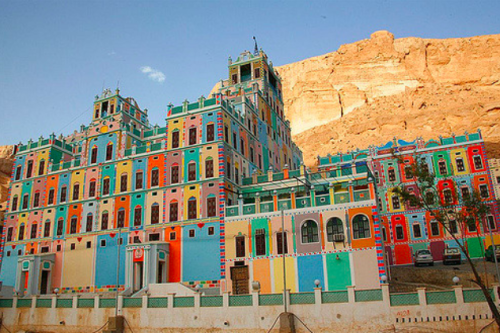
[(256, 49)]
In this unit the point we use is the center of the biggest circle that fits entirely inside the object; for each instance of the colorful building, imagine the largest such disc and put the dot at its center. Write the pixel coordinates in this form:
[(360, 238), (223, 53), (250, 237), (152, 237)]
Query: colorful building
[(460, 166), (123, 204)]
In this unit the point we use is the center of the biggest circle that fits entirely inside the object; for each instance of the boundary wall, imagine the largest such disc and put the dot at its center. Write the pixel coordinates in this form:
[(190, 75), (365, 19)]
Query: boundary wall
[(457, 310)]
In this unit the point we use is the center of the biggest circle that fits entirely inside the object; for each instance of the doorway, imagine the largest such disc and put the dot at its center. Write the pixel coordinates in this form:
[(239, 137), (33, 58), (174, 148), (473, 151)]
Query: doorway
[(239, 277), (44, 283), (138, 276)]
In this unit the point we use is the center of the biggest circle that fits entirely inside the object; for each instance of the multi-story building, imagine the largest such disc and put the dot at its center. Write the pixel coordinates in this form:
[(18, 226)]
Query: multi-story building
[(494, 165), (123, 204), (460, 166)]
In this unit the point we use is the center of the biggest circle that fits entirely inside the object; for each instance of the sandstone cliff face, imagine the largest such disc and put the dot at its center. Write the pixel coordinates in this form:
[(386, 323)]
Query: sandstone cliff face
[(6, 162), (372, 90)]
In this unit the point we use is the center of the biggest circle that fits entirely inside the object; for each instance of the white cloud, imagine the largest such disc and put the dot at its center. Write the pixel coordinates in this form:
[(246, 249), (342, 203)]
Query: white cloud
[(153, 74)]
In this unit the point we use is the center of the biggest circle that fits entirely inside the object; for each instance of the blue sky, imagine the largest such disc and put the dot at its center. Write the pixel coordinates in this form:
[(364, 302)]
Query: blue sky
[(55, 56)]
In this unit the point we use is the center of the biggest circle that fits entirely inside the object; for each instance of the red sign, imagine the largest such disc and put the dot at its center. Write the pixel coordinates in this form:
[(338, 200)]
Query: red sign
[(139, 254)]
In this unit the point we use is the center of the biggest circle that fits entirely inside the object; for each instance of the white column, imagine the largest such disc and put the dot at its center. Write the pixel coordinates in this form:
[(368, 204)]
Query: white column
[(225, 299), (351, 294), (422, 299), (459, 295), (255, 298)]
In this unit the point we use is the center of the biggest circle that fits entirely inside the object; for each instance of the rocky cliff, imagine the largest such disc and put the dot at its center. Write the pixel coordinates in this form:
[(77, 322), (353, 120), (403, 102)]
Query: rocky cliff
[(372, 90), (6, 162)]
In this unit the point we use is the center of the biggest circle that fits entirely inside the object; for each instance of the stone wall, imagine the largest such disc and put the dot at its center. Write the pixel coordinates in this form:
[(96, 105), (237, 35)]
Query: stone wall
[(457, 310)]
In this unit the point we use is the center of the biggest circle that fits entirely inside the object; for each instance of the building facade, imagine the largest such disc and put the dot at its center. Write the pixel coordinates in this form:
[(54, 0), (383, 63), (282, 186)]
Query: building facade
[(121, 204), (460, 166)]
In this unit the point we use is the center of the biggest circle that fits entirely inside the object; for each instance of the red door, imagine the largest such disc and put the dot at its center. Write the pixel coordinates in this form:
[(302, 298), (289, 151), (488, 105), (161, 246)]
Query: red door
[(437, 249)]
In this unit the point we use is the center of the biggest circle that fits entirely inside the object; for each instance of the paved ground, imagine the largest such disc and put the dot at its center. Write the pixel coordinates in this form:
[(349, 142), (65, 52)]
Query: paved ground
[(481, 265)]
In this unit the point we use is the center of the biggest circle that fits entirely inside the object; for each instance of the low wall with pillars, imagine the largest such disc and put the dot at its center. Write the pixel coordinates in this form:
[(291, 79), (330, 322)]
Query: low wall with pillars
[(459, 309)]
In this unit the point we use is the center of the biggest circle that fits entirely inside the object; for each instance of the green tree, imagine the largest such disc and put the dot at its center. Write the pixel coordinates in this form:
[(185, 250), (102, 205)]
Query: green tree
[(444, 208)]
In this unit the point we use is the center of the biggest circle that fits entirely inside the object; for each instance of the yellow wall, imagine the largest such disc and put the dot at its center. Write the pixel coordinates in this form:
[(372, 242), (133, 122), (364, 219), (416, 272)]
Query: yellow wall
[(77, 176), (172, 126), (122, 167), (278, 274), (461, 153), (78, 263), (191, 193), (232, 230)]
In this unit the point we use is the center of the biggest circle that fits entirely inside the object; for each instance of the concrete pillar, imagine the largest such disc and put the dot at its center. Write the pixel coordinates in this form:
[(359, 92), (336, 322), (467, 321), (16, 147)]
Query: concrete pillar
[(332, 193), (495, 293), (75, 302), (255, 299), (54, 301), (257, 203), (144, 301), (287, 293), (459, 295), (386, 297), (422, 299), (33, 302), (120, 304), (197, 300), (313, 197), (96, 302), (317, 295), (170, 300), (350, 294), (14, 301), (225, 299)]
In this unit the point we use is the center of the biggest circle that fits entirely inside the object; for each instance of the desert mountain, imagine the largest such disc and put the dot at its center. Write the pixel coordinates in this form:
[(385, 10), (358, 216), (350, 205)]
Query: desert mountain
[(369, 91)]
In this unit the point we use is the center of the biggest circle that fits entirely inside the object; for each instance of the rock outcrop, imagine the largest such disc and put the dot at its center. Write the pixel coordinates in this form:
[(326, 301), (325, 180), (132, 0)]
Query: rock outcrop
[(372, 90), (6, 162)]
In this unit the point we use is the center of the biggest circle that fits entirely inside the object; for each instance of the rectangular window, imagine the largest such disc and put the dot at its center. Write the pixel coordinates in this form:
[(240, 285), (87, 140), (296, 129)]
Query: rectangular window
[(154, 237), (50, 199), (192, 214), (242, 147), (483, 190), (9, 234), (89, 223), (228, 170), (235, 141), (175, 174), (155, 214), (442, 168), (76, 190), (121, 218), (279, 242), (29, 170), (123, 183), (211, 231), (209, 168), (478, 162), (435, 229), (251, 155), (395, 202), (137, 217), (392, 175), (155, 177), (175, 139), (33, 231), (138, 180), (191, 233), (172, 235), (260, 242), (226, 134), (465, 192), (417, 232), (491, 222), (453, 227), (173, 211), (92, 188), (256, 73), (408, 172), (21, 233), (73, 224), (498, 179), (234, 78), (105, 186), (60, 226), (210, 132), (460, 164), (399, 232), (36, 200), (192, 136), (63, 194), (448, 196), (191, 171), (211, 207), (240, 246)]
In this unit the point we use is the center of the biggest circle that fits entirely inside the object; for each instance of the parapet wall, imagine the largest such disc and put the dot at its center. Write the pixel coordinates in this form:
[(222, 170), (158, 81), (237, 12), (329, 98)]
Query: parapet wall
[(457, 310)]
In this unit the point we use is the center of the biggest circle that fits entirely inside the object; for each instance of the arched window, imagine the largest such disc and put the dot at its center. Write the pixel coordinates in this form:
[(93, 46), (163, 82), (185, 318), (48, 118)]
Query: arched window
[(174, 179), (73, 224), (448, 196), (93, 155), (25, 201), (18, 172), (121, 218), (335, 230), (21, 232), (361, 226), (46, 229), (14, 203), (137, 216), (399, 232), (174, 211), (155, 177), (443, 170), (34, 227), (138, 180), (60, 226), (62, 197), (192, 213), (109, 152), (209, 167), (175, 139), (29, 170), (89, 222), (10, 233), (92, 188), (191, 171), (76, 191), (192, 136), (104, 220), (310, 232), (155, 213), (41, 167), (123, 182)]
